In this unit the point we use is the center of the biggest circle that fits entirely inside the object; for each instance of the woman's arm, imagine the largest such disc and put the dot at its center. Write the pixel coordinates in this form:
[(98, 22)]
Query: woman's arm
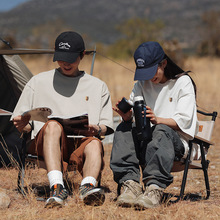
[(158, 120)]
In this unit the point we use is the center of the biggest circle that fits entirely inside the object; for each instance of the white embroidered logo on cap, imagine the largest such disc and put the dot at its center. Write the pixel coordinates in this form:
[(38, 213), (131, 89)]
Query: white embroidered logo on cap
[(140, 62), (64, 46)]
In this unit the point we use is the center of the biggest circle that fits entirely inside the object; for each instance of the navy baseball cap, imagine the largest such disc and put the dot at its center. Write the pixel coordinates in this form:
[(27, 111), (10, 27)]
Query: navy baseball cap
[(147, 57), (68, 47)]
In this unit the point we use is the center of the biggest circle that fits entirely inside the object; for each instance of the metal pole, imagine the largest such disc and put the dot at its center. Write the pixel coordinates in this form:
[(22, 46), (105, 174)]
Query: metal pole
[(93, 60)]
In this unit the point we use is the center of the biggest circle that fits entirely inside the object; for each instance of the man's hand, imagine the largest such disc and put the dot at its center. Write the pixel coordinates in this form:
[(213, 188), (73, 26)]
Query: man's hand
[(21, 123), (88, 131)]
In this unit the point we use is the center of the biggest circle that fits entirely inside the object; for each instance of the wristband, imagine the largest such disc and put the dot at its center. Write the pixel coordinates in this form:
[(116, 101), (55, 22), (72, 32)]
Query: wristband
[(32, 125), (99, 131)]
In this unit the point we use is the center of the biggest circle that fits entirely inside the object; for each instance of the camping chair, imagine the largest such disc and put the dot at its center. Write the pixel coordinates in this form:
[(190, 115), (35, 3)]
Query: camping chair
[(201, 141)]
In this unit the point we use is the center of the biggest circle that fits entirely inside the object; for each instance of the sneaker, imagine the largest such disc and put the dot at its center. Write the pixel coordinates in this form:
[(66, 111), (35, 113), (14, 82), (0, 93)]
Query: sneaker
[(91, 195), (57, 196), (151, 198), (130, 191)]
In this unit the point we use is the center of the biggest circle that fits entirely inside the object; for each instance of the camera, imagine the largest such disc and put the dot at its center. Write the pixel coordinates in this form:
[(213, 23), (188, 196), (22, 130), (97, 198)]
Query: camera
[(143, 127), (125, 105)]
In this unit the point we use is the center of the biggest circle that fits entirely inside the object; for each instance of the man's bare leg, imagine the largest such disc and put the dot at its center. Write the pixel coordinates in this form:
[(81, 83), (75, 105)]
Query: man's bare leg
[(93, 159), (91, 171), (51, 147)]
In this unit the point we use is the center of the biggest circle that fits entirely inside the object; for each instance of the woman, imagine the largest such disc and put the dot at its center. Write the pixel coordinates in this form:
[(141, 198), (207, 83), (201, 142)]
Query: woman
[(169, 95)]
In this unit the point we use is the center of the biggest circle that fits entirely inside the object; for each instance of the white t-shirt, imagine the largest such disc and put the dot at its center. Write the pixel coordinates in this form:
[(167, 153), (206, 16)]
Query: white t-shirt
[(67, 96), (173, 99)]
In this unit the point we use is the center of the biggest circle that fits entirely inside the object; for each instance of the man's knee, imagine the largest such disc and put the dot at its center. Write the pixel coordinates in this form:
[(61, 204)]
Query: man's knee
[(53, 128), (94, 146)]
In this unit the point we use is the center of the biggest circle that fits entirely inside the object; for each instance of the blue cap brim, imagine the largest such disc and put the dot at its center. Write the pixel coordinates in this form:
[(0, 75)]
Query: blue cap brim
[(145, 73)]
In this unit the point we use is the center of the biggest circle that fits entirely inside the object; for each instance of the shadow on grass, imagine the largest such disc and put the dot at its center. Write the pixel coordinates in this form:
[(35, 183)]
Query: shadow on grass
[(169, 198)]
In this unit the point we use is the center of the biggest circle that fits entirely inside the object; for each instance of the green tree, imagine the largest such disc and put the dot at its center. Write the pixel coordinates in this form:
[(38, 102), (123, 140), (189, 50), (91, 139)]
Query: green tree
[(210, 44), (134, 32)]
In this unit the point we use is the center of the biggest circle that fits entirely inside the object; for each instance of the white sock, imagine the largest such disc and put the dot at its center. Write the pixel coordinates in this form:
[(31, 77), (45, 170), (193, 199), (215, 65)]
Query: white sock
[(155, 185), (55, 177), (89, 179)]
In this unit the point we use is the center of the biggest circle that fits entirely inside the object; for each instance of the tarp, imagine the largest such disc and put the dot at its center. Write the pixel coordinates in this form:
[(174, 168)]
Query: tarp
[(13, 76)]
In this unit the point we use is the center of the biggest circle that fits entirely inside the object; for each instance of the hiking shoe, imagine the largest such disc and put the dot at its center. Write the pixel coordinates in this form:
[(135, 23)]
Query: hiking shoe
[(57, 196), (150, 199), (91, 195), (130, 191)]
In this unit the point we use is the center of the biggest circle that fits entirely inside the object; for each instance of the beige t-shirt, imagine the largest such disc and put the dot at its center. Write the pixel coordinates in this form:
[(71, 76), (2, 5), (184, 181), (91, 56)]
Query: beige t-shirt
[(67, 96)]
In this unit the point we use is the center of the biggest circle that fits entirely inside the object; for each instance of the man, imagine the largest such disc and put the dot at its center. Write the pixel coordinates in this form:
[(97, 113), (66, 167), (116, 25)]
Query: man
[(68, 91), (169, 96)]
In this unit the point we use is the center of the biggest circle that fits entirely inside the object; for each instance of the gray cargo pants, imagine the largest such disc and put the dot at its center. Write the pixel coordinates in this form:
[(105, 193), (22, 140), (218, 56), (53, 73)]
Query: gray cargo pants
[(156, 157)]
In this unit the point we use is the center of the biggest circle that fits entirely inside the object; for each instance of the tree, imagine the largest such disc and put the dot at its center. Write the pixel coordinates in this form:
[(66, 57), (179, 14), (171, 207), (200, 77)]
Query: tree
[(210, 45), (134, 32)]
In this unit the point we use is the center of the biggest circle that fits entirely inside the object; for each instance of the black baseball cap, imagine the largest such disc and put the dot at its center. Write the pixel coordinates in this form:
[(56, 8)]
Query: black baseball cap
[(68, 47), (147, 57)]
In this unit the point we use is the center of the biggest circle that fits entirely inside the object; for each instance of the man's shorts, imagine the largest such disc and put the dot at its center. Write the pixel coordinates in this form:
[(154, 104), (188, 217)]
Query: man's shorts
[(72, 149)]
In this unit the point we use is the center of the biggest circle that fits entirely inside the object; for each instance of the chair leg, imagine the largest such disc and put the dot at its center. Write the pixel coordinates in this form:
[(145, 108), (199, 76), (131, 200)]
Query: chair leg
[(21, 173), (185, 172), (205, 171)]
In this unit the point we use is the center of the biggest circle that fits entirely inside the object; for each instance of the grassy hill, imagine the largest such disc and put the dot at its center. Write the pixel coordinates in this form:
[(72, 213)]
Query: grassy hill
[(97, 19)]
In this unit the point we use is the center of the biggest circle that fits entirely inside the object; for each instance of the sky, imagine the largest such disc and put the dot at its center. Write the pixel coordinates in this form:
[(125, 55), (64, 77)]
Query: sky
[(6, 5)]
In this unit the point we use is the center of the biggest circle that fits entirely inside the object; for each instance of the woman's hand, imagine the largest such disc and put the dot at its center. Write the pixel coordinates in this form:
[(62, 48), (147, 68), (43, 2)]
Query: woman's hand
[(158, 120), (126, 116), (150, 114)]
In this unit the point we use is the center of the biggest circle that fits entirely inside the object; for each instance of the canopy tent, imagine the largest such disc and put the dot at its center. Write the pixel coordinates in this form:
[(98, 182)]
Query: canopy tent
[(14, 74)]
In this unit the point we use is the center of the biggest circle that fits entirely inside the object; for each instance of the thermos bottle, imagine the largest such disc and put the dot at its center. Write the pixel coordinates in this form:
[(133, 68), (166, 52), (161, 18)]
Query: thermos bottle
[(143, 126)]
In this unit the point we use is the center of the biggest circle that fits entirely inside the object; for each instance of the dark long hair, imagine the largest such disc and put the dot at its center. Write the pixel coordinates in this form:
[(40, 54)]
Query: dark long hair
[(173, 71)]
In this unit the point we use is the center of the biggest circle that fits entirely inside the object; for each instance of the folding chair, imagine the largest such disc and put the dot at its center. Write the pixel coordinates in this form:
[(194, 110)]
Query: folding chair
[(201, 141)]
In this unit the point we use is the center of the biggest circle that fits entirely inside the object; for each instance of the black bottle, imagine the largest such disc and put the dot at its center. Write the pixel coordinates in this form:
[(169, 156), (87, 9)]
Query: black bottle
[(143, 126)]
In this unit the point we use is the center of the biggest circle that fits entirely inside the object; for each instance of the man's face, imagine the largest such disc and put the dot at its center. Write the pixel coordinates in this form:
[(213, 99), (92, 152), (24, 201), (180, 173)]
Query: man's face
[(69, 69)]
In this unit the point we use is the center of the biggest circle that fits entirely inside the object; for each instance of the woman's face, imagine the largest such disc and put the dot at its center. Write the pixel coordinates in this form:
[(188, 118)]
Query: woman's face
[(159, 77)]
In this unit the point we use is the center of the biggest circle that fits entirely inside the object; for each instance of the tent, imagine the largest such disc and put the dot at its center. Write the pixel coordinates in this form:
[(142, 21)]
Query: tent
[(14, 74)]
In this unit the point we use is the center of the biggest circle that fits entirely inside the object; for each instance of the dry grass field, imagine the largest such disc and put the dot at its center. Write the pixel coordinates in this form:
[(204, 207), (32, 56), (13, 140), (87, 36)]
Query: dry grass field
[(205, 72)]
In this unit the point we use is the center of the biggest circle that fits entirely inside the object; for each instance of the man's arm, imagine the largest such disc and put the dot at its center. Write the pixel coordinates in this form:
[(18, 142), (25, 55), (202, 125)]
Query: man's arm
[(22, 123)]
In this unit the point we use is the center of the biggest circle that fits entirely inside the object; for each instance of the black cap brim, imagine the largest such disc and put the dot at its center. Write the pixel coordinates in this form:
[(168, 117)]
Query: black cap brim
[(65, 56)]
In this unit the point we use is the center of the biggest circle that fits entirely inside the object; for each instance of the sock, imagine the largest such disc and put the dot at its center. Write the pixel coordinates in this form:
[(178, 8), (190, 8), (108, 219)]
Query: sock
[(55, 177), (155, 185), (89, 179)]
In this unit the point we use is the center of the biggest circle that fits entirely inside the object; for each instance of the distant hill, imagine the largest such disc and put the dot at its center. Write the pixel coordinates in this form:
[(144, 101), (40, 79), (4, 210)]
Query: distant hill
[(97, 19)]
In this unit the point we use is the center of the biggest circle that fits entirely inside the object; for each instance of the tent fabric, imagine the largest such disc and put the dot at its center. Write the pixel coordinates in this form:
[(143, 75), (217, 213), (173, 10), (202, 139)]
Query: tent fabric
[(13, 77)]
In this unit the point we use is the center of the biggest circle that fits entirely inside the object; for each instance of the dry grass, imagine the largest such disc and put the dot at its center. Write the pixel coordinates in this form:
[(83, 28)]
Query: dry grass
[(120, 82)]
